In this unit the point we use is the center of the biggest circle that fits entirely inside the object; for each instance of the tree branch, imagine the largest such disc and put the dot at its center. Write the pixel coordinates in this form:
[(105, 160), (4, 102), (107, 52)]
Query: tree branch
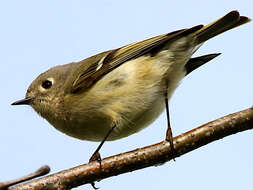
[(43, 170), (144, 157)]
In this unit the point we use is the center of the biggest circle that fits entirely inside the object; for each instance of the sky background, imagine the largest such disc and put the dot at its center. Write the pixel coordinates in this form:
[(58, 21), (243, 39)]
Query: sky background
[(37, 35)]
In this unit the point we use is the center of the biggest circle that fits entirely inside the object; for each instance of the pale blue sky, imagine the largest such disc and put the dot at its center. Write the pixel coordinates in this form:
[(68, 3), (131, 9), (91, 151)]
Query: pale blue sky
[(36, 35)]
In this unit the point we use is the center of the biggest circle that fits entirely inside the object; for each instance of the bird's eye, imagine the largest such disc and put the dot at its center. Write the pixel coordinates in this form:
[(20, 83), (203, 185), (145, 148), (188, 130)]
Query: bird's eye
[(46, 84)]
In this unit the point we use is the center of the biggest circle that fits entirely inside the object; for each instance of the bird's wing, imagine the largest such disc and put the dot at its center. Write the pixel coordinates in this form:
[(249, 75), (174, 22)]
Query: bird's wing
[(94, 68)]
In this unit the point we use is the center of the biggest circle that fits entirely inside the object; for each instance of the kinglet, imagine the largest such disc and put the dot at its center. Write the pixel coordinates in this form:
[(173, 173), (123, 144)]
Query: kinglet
[(117, 93)]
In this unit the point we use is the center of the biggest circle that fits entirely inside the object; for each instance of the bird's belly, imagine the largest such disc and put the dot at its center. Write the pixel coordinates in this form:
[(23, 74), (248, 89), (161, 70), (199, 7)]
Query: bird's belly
[(134, 122), (128, 122), (93, 129)]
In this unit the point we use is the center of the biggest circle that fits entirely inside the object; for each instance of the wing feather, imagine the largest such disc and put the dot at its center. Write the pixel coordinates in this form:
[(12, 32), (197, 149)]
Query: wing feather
[(90, 72)]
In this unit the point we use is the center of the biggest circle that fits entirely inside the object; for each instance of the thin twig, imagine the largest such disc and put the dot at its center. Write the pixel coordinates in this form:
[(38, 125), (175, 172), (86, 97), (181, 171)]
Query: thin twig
[(43, 170), (144, 157)]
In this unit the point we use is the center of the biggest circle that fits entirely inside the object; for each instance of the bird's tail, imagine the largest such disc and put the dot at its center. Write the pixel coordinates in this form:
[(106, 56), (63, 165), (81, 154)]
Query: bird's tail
[(227, 22)]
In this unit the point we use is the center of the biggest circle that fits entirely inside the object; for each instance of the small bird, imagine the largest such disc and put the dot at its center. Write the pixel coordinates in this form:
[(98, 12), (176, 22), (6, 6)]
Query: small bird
[(117, 93)]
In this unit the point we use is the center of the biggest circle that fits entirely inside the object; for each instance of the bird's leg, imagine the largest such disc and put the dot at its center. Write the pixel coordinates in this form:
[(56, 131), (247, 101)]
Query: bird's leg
[(93, 186), (96, 156), (169, 136)]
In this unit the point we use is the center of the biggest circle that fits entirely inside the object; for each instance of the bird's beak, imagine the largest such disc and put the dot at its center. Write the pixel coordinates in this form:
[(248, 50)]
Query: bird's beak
[(25, 101)]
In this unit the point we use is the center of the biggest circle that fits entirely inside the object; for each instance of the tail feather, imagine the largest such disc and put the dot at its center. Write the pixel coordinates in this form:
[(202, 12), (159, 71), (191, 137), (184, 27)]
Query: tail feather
[(227, 22)]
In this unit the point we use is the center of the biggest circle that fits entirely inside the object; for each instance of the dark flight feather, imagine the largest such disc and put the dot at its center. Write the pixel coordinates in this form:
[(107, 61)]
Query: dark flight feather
[(196, 62)]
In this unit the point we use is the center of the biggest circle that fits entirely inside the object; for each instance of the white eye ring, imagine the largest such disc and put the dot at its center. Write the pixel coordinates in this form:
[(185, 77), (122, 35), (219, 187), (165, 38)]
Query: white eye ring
[(46, 84)]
